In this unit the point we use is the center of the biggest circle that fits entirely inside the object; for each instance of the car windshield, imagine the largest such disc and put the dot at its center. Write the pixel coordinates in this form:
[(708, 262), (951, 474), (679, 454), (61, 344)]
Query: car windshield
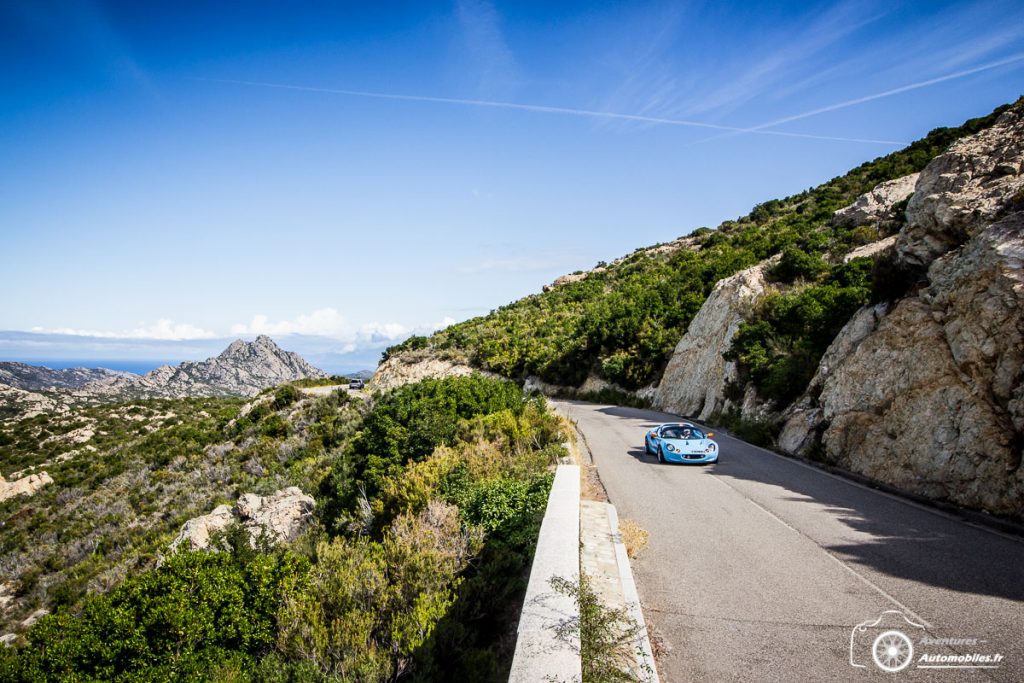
[(678, 432)]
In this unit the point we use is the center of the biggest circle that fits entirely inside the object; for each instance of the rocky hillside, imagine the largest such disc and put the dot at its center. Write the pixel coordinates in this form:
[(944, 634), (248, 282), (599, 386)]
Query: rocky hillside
[(620, 322), (341, 543), (874, 323), (38, 378), (242, 369), (927, 392)]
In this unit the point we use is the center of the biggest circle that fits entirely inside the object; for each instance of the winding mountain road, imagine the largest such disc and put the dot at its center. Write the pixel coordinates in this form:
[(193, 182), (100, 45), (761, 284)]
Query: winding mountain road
[(759, 568)]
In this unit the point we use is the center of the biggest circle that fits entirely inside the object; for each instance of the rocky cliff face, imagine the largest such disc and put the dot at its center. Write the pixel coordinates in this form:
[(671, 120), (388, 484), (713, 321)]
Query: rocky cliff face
[(242, 369), (929, 396), (696, 376), (964, 190), (932, 400), (37, 378)]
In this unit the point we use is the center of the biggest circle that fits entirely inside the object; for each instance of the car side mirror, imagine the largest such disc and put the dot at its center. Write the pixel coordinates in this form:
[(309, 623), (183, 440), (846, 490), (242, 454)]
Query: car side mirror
[(711, 435)]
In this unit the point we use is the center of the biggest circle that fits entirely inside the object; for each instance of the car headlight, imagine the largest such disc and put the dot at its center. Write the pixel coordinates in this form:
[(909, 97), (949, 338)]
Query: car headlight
[(671, 448), (710, 448)]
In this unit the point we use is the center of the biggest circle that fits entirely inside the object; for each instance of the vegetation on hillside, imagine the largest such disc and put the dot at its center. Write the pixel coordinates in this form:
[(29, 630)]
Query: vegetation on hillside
[(778, 348), (429, 499), (622, 322)]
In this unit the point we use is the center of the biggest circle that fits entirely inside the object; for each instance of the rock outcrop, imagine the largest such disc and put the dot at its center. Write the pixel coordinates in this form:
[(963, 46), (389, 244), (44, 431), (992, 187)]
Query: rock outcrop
[(976, 182), (570, 278), (242, 369), (280, 517), (803, 420), (696, 376), (870, 249), (877, 207), (25, 486), (414, 366)]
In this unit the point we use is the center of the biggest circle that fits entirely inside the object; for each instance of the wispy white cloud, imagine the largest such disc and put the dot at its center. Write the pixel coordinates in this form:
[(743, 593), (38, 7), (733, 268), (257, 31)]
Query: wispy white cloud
[(649, 80), (547, 110), (800, 46), (328, 322), (163, 329), (490, 57), (323, 321)]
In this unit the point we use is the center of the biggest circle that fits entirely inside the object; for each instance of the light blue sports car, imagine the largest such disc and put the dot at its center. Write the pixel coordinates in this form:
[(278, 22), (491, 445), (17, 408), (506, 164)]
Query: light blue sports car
[(681, 442)]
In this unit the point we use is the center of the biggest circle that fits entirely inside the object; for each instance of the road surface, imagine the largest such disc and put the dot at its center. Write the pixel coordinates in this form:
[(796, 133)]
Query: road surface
[(758, 568)]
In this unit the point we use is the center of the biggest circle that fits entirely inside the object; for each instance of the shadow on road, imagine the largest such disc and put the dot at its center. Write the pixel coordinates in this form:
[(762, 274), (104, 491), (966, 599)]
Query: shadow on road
[(894, 537), (633, 413), (891, 535), (641, 455)]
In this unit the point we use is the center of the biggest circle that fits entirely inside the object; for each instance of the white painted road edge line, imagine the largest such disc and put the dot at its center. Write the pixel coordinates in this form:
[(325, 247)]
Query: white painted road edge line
[(646, 656), (842, 564), (539, 655)]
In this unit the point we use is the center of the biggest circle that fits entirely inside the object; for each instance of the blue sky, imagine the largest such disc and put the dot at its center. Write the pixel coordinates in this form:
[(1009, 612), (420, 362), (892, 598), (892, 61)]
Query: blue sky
[(354, 172)]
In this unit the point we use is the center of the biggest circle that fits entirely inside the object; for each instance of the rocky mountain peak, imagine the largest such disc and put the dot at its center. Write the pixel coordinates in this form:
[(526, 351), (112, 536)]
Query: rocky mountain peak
[(242, 369), (262, 346)]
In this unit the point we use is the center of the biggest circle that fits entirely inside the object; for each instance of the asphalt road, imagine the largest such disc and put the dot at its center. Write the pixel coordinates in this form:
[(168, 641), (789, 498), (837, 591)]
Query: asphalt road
[(758, 568)]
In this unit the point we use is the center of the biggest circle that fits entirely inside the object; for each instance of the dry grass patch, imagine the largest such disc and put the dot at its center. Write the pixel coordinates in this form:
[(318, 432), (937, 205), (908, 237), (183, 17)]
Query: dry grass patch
[(634, 537)]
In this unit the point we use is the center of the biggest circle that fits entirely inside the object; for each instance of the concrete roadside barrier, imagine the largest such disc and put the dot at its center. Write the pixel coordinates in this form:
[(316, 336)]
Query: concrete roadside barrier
[(539, 654)]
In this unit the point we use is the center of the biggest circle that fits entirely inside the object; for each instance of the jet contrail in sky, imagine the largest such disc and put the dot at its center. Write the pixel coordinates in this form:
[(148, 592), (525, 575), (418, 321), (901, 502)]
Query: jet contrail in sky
[(549, 110), (868, 98)]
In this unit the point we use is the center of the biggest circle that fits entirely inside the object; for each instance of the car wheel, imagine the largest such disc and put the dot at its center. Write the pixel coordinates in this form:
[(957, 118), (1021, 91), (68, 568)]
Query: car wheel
[(661, 455), (647, 447)]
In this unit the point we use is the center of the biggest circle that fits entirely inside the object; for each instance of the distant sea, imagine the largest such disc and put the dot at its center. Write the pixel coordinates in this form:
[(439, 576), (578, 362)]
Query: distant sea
[(139, 367)]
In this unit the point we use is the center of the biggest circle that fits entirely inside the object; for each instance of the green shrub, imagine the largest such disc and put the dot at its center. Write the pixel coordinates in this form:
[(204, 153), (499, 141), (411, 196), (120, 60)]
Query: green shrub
[(370, 606), (779, 347), (413, 343), (186, 616), (274, 426), (406, 425), (285, 396), (798, 264)]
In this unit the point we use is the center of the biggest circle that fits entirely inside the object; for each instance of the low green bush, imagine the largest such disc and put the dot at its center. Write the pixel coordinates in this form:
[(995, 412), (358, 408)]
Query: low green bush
[(179, 621), (797, 264)]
